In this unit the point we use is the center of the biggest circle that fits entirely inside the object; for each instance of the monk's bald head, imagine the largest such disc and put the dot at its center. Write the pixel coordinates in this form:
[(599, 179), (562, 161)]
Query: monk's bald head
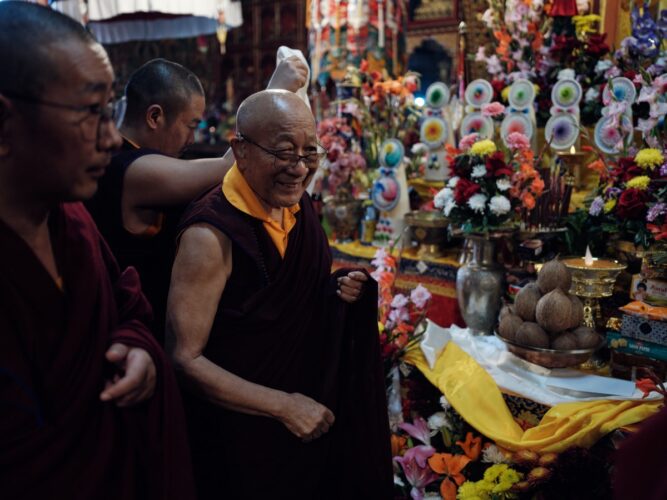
[(268, 110)]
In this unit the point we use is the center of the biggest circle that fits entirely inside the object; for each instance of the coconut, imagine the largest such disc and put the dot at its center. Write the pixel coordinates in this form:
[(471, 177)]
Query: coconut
[(508, 309), (577, 313), (530, 334), (553, 311), (586, 338), (509, 324), (554, 275), (526, 301), (565, 341)]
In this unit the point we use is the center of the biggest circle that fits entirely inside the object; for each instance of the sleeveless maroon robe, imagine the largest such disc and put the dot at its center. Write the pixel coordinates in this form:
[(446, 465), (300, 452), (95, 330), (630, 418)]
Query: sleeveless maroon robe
[(280, 324), (57, 439)]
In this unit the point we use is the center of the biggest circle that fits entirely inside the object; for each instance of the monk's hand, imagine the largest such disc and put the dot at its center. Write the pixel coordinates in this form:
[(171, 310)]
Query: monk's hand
[(351, 286), (134, 380), (306, 418), (291, 74)]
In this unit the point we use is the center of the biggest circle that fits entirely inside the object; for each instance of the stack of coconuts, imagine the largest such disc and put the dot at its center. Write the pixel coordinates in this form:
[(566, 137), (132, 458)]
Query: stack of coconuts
[(545, 315)]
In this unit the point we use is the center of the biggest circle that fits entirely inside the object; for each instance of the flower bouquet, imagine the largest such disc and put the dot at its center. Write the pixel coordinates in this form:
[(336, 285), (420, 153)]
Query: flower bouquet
[(400, 317), (630, 199), (490, 187)]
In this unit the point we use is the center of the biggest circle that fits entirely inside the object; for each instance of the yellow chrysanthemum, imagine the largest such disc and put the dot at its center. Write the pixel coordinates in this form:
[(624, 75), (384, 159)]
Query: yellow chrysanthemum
[(640, 182), (649, 158), (609, 205), (470, 491), (483, 148), (493, 472), (505, 94)]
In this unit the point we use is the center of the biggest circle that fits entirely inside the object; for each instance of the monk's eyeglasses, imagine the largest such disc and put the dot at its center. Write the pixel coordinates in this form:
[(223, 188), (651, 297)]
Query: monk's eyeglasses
[(112, 111), (286, 159)]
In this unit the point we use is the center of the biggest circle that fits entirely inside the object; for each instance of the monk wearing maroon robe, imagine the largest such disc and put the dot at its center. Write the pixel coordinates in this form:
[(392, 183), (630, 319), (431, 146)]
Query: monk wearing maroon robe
[(89, 407), (282, 358)]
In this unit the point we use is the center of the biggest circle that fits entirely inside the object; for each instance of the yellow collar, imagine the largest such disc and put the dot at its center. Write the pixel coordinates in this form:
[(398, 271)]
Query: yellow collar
[(239, 193)]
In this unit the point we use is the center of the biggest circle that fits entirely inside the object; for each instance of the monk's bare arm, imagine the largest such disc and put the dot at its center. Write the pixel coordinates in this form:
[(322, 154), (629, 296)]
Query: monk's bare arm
[(203, 265), (155, 181)]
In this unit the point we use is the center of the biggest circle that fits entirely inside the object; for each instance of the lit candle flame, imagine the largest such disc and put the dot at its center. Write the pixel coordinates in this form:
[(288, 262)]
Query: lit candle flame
[(572, 150), (588, 259)]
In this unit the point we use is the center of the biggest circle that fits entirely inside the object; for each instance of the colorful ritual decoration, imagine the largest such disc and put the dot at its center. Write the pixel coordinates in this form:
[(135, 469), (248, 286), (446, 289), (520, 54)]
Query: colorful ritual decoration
[(562, 129), (344, 32), (477, 94), (613, 132), (520, 115), (389, 192), (435, 131)]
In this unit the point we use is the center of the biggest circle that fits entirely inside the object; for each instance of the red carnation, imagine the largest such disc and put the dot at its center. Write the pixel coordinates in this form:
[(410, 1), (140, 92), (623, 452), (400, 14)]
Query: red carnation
[(627, 169), (496, 166), (632, 204), (464, 190)]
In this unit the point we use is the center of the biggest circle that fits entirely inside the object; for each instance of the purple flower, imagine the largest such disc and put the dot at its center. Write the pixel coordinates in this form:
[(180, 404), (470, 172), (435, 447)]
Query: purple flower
[(613, 192), (656, 211), (400, 301), (596, 206), (663, 170), (420, 296), (418, 477), (418, 430), (398, 315)]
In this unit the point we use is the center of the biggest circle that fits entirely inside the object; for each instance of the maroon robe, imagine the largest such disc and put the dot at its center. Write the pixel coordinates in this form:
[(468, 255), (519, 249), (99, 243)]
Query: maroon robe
[(280, 324), (57, 439)]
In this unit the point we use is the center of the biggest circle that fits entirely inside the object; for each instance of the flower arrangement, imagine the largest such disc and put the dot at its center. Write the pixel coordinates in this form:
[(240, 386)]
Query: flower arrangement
[(385, 108), (631, 197), (344, 162), (400, 317), (490, 187)]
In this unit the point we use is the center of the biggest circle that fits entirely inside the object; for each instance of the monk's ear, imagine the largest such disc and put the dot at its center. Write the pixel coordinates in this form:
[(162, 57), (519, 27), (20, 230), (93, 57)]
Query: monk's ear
[(155, 117), (5, 112), (240, 148)]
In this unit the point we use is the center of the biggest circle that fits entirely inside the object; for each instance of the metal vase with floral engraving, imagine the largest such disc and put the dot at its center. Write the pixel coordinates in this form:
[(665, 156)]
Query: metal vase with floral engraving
[(479, 284)]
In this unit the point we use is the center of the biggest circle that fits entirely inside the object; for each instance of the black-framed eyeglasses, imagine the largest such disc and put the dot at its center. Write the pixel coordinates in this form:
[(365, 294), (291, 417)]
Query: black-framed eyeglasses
[(286, 159), (112, 111)]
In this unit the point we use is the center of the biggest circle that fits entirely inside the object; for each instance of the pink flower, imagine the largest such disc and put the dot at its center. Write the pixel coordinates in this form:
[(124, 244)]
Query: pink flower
[(516, 140), (418, 477), (420, 296), (419, 454), (400, 301), (468, 140), (481, 54), (379, 258), (398, 315), (418, 429), (493, 109)]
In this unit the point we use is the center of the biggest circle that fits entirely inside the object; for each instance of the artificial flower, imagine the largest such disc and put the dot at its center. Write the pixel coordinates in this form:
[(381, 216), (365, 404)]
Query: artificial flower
[(483, 148), (640, 182), (499, 205), (649, 158), (477, 202)]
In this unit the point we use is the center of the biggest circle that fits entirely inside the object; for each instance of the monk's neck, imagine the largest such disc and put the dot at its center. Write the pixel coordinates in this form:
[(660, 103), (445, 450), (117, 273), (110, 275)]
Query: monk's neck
[(138, 138), (274, 213)]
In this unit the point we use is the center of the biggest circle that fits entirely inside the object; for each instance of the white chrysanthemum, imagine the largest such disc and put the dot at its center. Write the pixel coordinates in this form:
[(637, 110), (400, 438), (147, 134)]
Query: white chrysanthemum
[(602, 66), (478, 171), (499, 205), (431, 496), (439, 421), (492, 455), (503, 184), (452, 182), (444, 403), (449, 206), (443, 196), (477, 202)]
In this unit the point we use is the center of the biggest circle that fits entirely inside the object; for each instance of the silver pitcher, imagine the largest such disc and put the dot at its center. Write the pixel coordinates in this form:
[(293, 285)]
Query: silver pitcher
[(479, 284)]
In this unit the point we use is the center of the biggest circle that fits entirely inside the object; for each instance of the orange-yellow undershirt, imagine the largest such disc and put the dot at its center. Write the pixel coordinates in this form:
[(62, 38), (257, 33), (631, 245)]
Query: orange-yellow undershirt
[(241, 195)]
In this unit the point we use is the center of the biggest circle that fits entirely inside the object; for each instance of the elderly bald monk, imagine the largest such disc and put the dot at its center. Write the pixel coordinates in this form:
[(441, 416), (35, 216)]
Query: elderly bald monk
[(281, 357), (89, 403)]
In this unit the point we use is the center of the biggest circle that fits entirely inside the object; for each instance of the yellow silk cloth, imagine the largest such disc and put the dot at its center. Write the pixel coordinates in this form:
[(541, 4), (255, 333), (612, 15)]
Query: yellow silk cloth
[(475, 396)]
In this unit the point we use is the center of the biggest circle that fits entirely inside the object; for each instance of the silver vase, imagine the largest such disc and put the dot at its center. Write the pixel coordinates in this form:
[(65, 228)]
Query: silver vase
[(479, 284)]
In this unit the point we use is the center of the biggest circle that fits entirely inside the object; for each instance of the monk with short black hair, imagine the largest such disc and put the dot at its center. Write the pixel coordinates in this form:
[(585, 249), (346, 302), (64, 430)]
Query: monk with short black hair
[(89, 406), (281, 357)]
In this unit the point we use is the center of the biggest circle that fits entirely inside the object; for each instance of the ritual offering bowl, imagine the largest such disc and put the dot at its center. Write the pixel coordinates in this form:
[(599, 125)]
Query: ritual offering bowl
[(592, 282), (550, 358), (427, 229)]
